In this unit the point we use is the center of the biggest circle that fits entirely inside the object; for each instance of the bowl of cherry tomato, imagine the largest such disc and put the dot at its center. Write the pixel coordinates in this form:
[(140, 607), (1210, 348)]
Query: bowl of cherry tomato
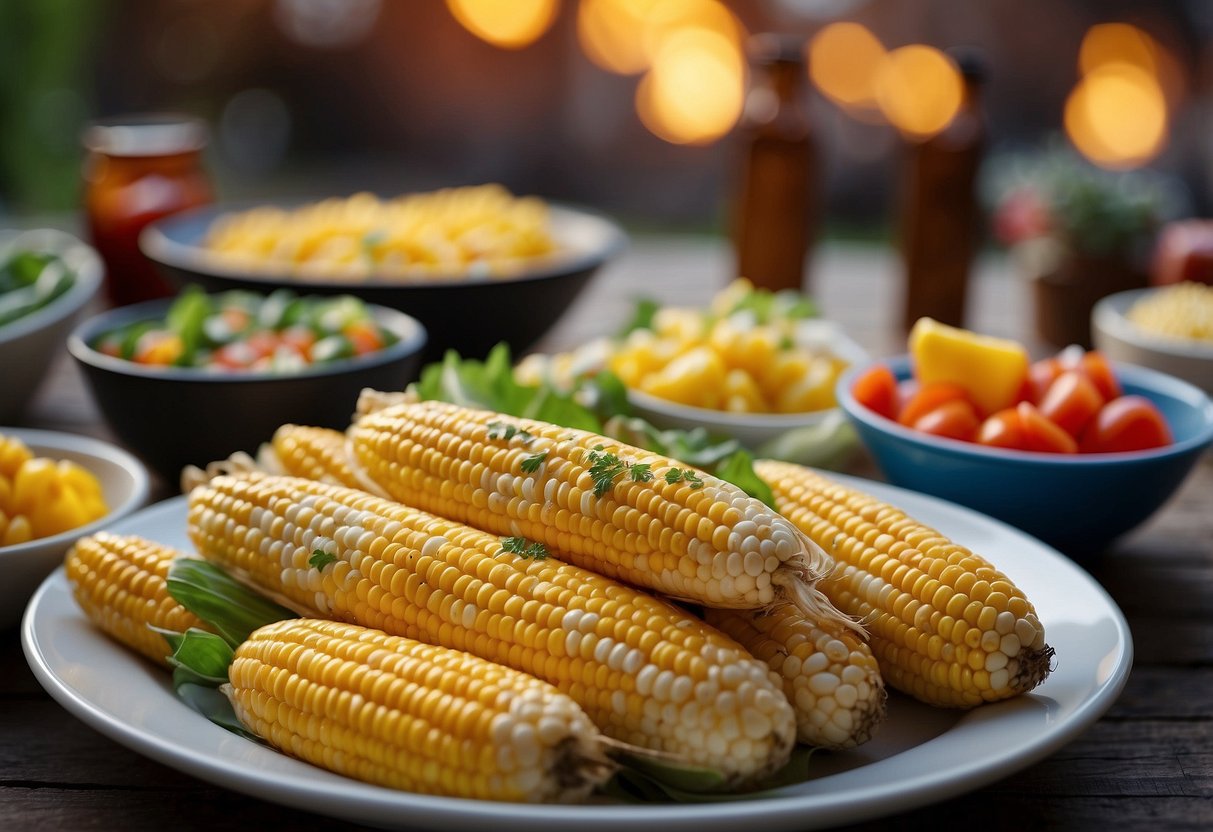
[(1073, 448), (191, 380)]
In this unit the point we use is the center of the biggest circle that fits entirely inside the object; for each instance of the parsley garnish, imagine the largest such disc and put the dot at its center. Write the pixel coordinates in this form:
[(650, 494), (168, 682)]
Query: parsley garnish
[(686, 475), (523, 548), (321, 559), (531, 464), (501, 430), (606, 468)]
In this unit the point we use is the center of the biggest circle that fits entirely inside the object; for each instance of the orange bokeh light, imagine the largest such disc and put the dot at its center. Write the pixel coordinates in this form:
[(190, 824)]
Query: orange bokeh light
[(694, 92), (509, 24), (1117, 116), (608, 31), (919, 90), (844, 59), (1107, 43)]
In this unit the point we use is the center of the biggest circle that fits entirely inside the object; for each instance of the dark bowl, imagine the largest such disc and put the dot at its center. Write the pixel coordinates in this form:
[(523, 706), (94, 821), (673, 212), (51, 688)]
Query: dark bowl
[(173, 417), (468, 314), (1077, 502)]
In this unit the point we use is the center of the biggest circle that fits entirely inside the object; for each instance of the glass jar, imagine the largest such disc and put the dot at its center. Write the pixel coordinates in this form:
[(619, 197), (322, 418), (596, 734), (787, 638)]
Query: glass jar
[(138, 170)]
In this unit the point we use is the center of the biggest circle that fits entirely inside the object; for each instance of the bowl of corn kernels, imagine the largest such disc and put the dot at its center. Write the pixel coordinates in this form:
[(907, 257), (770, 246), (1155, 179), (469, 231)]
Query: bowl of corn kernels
[(1166, 328), (55, 488), (753, 365), (476, 265)]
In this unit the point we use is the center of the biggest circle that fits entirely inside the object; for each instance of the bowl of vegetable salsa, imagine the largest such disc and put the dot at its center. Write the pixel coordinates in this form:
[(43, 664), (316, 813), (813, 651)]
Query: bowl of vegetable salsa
[(47, 277), (196, 378)]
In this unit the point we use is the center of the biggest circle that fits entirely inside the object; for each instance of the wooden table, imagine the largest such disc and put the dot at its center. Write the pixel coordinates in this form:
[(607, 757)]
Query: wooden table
[(1148, 763)]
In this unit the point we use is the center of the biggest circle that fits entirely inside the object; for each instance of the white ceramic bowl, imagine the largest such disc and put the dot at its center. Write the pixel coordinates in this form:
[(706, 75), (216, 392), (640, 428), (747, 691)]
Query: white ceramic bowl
[(124, 482), (30, 343), (753, 430), (1122, 340)]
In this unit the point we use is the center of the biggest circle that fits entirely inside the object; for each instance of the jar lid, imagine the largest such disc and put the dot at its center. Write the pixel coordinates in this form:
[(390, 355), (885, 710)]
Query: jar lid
[(157, 134)]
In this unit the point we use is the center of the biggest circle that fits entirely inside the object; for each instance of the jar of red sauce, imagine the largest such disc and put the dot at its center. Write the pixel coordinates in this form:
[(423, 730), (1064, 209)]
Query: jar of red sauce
[(138, 170)]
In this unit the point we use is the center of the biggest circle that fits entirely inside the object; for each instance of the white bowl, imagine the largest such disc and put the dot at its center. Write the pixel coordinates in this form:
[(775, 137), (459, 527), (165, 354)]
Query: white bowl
[(1122, 340), (28, 344), (125, 483), (754, 430)]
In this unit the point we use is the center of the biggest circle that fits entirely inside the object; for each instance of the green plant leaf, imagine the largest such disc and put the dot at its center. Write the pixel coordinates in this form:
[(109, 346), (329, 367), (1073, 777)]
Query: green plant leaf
[(198, 657), (187, 318), (646, 780), (212, 704), (642, 316), (231, 608), (738, 468)]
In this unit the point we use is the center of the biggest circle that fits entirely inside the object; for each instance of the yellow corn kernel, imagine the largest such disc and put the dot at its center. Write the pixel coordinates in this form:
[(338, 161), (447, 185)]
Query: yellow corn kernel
[(754, 350), (16, 530), (13, 454), (313, 453), (945, 625), (120, 583), (645, 672), (812, 391), (407, 715), (36, 482), (741, 393)]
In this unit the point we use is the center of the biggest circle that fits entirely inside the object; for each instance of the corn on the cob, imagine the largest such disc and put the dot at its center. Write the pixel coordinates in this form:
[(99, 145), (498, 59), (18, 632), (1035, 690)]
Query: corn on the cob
[(611, 508), (119, 582), (829, 674), (407, 715), (314, 454), (647, 673), (945, 625)]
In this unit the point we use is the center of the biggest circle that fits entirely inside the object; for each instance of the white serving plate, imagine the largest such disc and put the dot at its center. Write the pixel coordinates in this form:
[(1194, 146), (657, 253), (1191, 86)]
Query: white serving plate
[(920, 755)]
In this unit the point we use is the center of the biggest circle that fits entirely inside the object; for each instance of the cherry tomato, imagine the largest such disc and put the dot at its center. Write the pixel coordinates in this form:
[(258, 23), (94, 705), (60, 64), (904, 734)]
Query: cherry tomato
[(1003, 429), (1041, 375), (1097, 368), (1130, 423), (364, 336), (876, 389), (929, 396), (1042, 434), (262, 342), (1071, 402), (300, 338), (955, 419), (235, 356)]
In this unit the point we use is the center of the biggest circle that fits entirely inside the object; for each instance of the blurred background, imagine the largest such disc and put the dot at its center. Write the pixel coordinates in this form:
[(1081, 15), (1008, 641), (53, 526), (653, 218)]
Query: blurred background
[(630, 106)]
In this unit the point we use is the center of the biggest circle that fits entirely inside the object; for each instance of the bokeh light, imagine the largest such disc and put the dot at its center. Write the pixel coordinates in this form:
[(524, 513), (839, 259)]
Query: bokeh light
[(696, 88), (608, 31), (1117, 116), (919, 90), (509, 24), (843, 62), (1107, 43)]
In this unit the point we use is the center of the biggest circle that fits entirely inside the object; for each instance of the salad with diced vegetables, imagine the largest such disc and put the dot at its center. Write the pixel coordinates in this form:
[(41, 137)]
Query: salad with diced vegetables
[(29, 280), (242, 331)]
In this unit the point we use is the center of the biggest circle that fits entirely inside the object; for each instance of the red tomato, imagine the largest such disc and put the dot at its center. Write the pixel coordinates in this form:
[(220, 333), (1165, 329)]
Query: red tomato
[(1042, 434), (1097, 368), (262, 342), (235, 356), (928, 397), (1041, 375), (876, 389), (1071, 402), (300, 338), (364, 336), (1130, 423), (955, 419), (1004, 429)]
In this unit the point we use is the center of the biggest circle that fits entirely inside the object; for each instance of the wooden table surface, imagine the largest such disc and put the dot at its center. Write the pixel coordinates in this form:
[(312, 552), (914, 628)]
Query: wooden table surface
[(1147, 764)]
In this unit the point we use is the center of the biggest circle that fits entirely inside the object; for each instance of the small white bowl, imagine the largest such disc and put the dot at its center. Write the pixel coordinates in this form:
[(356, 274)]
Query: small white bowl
[(1122, 340), (753, 430), (30, 343), (125, 483)]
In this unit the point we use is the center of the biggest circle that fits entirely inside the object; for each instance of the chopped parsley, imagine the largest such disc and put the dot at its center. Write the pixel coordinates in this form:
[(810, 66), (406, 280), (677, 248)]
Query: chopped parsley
[(531, 464), (641, 472), (523, 548), (502, 430), (686, 475), (605, 468), (321, 559)]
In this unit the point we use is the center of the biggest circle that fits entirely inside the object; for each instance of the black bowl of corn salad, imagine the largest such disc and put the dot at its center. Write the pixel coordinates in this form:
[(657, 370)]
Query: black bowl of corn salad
[(190, 380), (485, 267)]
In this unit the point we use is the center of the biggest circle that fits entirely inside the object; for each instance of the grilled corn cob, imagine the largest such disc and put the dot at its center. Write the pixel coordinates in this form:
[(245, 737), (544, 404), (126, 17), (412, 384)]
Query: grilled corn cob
[(119, 582), (645, 672), (608, 507), (407, 715), (829, 675), (945, 625)]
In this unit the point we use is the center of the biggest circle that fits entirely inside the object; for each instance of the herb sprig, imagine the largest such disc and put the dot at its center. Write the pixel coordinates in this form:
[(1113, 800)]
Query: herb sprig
[(605, 468), (523, 548), (321, 559), (686, 475)]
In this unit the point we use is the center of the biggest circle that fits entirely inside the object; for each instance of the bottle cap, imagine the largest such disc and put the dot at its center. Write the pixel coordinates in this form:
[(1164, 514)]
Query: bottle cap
[(152, 134)]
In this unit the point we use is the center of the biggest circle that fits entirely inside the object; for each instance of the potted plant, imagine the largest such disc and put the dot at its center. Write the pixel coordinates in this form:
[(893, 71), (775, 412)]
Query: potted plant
[(1077, 232)]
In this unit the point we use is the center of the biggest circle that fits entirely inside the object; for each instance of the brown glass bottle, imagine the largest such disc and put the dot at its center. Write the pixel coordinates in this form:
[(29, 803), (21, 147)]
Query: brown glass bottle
[(775, 208), (940, 216)]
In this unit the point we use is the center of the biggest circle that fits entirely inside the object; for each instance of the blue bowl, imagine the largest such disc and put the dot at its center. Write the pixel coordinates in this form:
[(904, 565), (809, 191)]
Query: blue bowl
[(1078, 503)]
